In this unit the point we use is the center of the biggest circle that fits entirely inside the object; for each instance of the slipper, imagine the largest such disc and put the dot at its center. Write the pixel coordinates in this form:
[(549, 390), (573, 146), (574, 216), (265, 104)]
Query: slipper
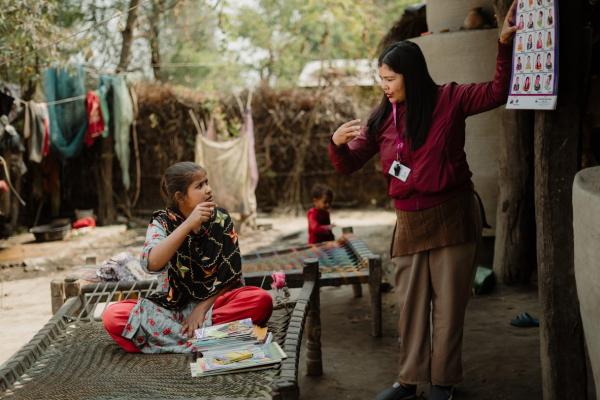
[(524, 320)]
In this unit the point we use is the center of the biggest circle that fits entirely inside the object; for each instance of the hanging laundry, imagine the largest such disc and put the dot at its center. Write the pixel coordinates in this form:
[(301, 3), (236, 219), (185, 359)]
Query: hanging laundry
[(11, 147), (122, 116), (227, 165), (37, 130), (10, 141), (248, 130), (68, 120), (95, 118)]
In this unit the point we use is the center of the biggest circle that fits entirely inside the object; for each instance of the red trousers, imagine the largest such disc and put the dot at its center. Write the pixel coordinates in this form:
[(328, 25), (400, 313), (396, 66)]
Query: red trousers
[(245, 302)]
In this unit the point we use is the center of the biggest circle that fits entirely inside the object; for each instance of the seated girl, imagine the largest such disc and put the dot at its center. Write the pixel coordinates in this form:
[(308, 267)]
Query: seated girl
[(193, 244)]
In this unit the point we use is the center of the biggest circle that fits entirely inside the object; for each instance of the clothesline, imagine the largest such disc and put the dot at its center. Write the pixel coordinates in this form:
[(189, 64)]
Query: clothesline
[(61, 101)]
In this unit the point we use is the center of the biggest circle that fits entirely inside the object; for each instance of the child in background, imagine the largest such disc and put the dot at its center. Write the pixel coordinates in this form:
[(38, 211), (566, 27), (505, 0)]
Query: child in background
[(319, 224), (193, 245)]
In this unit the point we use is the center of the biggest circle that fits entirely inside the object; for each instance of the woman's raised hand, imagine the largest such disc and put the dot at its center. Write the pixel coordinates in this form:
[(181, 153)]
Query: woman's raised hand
[(200, 214), (346, 132), (508, 27)]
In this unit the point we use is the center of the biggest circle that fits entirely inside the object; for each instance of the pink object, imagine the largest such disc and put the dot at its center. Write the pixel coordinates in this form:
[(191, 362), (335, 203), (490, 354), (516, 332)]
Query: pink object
[(278, 280)]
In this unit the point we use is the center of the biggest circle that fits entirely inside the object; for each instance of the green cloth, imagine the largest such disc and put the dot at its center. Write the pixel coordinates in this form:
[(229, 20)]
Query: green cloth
[(121, 114), (68, 121)]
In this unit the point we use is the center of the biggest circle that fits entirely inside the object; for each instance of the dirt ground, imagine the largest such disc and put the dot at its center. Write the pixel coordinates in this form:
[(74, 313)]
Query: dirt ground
[(500, 361)]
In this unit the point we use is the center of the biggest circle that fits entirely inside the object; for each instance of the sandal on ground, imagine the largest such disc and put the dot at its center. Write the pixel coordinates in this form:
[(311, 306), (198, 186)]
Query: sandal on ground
[(524, 320), (398, 392), (441, 392)]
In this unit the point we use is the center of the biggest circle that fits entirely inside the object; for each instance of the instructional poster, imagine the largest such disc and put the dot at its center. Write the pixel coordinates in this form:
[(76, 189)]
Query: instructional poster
[(534, 81)]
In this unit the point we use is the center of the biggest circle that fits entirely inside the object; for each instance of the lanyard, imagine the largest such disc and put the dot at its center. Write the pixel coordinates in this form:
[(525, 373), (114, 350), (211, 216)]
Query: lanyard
[(399, 140)]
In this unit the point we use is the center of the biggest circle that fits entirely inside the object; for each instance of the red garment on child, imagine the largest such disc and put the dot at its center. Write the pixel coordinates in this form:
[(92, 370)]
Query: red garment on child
[(245, 302), (318, 229)]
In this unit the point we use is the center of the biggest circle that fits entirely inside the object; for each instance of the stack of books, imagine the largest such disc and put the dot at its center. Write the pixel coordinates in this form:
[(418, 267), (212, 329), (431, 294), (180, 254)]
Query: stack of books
[(234, 347)]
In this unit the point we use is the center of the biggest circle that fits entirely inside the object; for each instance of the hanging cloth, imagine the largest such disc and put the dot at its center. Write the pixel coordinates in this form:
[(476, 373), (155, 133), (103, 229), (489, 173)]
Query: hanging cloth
[(10, 140), (95, 118), (227, 166), (121, 114), (68, 120), (37, 130), (231, 166), (248, 130)]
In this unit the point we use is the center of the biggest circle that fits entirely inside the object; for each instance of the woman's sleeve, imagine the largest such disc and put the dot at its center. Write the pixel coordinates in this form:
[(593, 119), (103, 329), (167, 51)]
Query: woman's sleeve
[(154, 235), (479, 97), (350, 157)]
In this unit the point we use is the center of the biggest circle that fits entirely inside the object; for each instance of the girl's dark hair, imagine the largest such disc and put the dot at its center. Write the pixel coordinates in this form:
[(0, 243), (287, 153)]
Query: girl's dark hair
[(320, 191), (406, 58), (177, 178)]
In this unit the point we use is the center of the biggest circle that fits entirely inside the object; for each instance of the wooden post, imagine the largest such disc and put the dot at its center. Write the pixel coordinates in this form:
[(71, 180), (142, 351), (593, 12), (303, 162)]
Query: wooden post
[(314, 362), (57, 294), (357, 287), (556, 161), (375, 292), (514, 250), (72, 287), (104, 176)]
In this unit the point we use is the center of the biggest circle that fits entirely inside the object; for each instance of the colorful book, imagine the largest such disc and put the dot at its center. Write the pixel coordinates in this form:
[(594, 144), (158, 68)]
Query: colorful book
[(242, 359)]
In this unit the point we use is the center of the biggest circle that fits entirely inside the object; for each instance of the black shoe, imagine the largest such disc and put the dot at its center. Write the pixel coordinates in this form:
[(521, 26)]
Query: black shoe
[(398, 392), (441, 392)]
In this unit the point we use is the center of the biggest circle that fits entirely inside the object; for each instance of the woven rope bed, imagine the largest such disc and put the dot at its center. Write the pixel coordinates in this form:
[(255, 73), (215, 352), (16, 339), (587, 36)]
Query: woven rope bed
[(72, 357), (346, 261)]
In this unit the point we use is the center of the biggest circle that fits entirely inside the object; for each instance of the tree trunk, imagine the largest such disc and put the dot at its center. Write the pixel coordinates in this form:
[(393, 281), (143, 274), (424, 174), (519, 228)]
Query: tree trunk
[(104, 176), (157, 9), (104, 173), (514, 252), (128, 35), (556, 144)]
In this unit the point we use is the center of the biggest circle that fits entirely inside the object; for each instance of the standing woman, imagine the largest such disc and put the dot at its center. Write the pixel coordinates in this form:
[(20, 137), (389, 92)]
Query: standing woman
[(418, 130)]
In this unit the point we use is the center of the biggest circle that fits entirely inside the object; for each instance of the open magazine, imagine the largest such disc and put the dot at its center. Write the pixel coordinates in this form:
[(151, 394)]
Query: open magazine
[(230, 335)]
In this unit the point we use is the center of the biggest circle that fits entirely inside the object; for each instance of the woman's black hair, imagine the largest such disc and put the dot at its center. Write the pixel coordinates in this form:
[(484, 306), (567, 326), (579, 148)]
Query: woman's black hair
[(406, 58), (177, 178)]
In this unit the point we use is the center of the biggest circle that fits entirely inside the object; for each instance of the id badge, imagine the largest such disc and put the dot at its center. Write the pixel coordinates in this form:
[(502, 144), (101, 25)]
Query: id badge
[(399, 171)]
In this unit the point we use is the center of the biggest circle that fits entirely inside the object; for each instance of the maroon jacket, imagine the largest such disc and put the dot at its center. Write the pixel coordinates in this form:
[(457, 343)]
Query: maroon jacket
[(439, 168), (317, 230)]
